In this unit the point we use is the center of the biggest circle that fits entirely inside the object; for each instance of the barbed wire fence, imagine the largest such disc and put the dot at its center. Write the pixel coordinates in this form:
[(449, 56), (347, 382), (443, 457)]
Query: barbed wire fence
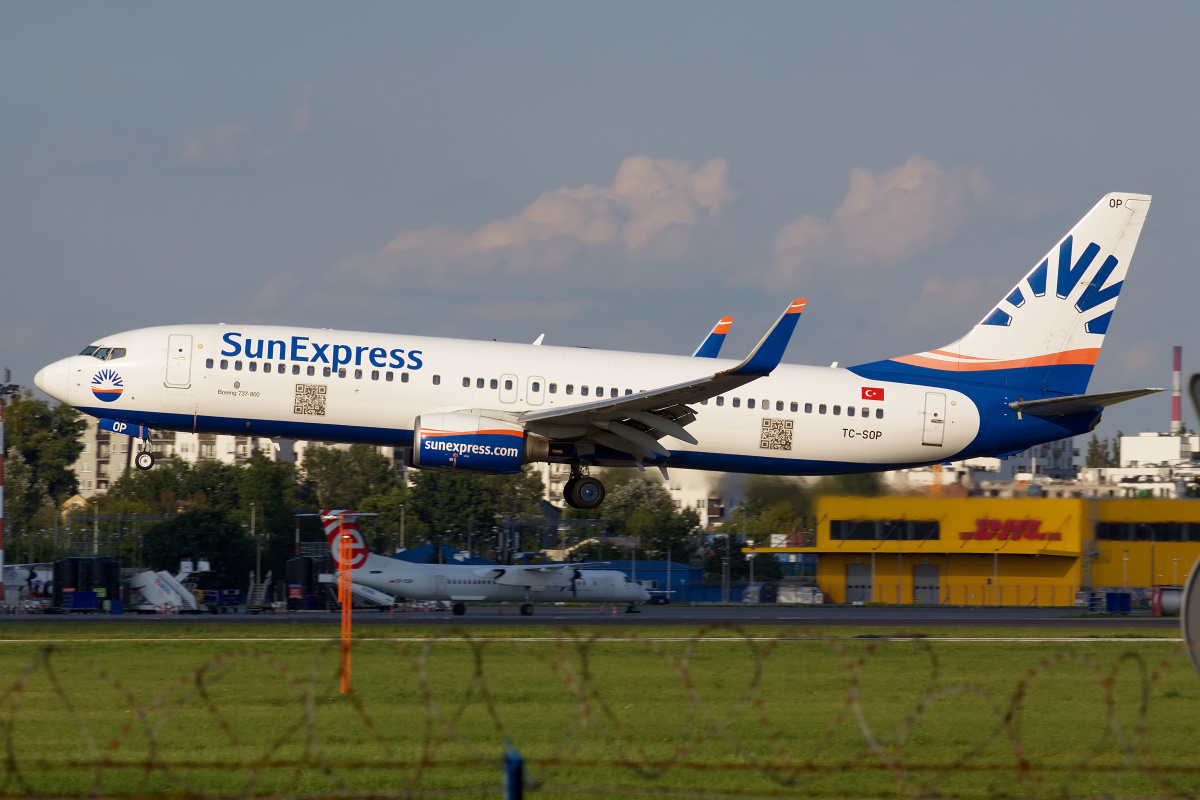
[(71, 727)]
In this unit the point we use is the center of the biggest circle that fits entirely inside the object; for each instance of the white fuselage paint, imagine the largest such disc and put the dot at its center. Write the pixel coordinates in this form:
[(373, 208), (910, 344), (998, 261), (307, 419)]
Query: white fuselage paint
[(463, 583), (204, 398)]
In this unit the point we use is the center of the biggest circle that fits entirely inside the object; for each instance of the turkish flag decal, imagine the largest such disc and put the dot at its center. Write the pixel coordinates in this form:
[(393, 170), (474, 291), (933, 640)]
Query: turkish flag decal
[(872, 393)]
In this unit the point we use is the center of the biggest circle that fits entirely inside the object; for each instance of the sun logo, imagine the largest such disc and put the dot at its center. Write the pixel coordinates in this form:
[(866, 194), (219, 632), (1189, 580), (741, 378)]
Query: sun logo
[(107, 385)]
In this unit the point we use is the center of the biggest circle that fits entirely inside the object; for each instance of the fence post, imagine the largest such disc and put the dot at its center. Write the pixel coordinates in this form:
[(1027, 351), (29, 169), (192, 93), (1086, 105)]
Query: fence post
[(514, 774)]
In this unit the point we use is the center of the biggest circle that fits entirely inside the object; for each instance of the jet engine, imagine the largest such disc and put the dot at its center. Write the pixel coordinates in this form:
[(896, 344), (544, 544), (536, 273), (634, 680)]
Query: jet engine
[(460, 440)]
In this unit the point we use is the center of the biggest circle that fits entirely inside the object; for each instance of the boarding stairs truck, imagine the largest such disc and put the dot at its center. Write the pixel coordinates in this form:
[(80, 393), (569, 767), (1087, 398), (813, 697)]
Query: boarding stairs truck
[(152, 592)]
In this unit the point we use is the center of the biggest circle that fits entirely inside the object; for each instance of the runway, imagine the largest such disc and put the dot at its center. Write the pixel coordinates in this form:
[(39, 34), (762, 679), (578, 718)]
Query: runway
[(897, 617)]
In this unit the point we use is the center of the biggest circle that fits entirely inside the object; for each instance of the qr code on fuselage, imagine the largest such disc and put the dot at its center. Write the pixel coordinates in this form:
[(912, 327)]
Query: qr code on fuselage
[(310, 399), (776, 434)]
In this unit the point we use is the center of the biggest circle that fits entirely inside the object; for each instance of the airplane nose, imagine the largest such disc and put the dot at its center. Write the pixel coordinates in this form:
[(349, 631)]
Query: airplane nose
[(53, 379)]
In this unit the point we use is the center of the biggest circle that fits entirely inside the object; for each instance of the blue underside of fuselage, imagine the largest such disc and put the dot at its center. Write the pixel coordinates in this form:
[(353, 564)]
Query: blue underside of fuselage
[(1000, 432)]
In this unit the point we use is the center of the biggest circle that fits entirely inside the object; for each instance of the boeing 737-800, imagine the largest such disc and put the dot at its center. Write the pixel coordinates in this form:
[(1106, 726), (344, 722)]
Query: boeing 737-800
[(1016, 379)]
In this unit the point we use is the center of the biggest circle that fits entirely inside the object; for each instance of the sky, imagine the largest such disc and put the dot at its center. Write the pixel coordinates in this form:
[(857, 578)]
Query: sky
[(616, 174)]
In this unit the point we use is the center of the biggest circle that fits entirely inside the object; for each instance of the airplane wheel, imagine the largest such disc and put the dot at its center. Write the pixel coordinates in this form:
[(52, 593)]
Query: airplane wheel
[(569, 491), (527, 610), (585, 492), (459, 609), (144, 460)]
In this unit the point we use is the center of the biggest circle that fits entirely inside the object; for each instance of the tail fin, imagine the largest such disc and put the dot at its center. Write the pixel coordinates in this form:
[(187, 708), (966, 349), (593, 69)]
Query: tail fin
[(1046, 333), (347, 522)]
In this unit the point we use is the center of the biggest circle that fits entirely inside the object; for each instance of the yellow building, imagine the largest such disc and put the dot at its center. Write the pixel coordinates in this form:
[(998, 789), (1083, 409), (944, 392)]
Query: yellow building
[(993, 551)]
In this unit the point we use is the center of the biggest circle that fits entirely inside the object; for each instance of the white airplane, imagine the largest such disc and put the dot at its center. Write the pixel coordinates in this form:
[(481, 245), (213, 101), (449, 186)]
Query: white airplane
[(463, 583), (1016, 379)]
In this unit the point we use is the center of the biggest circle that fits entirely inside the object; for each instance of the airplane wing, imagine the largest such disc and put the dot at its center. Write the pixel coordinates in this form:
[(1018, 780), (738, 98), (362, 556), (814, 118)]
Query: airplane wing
[(1076, 403), (711, 346), (634, 423)]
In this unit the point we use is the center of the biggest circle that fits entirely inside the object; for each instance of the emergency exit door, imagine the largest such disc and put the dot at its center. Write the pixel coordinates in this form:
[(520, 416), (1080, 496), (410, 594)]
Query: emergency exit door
[(935, 419), (179, 361)]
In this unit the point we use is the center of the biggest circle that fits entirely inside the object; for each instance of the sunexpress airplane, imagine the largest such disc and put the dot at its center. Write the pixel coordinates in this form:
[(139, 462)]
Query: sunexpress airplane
[(1016, 379)]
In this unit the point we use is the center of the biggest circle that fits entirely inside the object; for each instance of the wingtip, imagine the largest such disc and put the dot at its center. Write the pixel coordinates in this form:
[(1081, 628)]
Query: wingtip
[(797, 305), (723, 325)]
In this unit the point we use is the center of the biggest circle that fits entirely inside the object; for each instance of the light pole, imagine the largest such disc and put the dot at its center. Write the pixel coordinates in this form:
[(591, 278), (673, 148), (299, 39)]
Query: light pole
[(1125, 570), (257, 548), (1175, 570), (402, 526)]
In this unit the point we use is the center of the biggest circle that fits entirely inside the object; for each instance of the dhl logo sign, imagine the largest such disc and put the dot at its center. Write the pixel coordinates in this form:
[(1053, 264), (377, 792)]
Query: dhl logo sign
[(1010, 530)]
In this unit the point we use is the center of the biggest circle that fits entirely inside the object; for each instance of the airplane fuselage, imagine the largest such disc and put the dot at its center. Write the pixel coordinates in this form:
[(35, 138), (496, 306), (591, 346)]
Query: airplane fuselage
[(327, 385)]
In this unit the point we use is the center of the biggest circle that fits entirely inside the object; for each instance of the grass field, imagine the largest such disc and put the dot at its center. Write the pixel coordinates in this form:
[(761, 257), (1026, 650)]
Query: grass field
[(165, 708)]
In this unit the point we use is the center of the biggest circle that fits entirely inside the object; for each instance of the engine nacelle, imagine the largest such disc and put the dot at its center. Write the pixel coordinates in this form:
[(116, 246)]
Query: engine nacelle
[(456, 440)]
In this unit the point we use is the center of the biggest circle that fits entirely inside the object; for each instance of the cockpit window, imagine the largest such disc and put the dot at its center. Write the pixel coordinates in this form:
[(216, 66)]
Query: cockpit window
[(116, 352), (101, 353), (87, 351)]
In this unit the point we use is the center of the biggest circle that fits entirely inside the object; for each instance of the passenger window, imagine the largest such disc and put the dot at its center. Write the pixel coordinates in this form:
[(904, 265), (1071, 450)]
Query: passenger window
[(808, 408), (388, 377), (224, 363), (374, 374), (437, 380), (583, 390), (508, 386), (779, 405), (879, 413), (495, 384), (253, 366), (737, 401), (553, 388), (237, 366), (311, 370), (599, 391), (849, 411), (466, 383), (866, 412), (342, 372), (479, 383), (704, 402), (281, 369), (537, 387), (614, 392), (295, 369), (404, 377), (570, 389), (821, 408), (117, 352), (837, 410), (208, 363), (720, 401), (267, 367), (749, 402), (326, 372), (796, 407), (629, 391), (358, 374)]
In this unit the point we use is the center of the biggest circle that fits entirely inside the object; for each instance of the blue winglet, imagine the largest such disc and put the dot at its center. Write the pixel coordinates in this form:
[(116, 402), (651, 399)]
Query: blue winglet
[(711, 346), (767, 355)]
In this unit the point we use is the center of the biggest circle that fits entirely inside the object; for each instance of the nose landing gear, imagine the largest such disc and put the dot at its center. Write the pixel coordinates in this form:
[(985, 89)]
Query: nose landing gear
[(143, 460)]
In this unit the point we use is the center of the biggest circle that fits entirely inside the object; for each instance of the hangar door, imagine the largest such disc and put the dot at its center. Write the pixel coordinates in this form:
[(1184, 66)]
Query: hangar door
[(927, 584), (858, 583)]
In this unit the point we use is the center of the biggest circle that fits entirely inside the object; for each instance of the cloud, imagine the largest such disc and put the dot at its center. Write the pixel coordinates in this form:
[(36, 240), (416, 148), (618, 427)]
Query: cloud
[(236, 142), (883, 220), (276, 291), (650, 214)]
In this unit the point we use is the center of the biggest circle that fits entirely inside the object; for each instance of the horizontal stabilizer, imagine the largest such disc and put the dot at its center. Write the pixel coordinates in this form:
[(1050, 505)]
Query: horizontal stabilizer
[(1076, 403)]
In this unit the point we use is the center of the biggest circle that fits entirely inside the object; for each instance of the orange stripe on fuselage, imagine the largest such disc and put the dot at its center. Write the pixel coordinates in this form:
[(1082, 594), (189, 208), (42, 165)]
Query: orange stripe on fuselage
[(1086, 356), (958, 355)]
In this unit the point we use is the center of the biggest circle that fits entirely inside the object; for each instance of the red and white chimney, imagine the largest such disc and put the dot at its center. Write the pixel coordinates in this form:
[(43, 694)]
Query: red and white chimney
[(1176, 380)]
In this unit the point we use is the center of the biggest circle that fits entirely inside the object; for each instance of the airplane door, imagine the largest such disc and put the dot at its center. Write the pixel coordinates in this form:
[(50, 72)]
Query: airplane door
[(935, 419), (508, 388), (179, 360), (439, 586), (535, 394)]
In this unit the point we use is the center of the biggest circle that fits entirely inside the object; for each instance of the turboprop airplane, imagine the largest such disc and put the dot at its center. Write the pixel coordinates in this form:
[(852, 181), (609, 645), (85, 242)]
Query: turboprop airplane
[(462, 583), (1016, 379)]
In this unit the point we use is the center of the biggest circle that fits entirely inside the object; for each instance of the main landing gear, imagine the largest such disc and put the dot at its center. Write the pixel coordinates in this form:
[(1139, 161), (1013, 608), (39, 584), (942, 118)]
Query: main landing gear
[(583, 491), (527, 610), (458, 609)]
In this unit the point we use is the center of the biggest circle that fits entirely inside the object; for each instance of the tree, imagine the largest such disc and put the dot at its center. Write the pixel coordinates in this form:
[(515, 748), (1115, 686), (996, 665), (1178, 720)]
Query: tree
[(203, 533), (1098, 454), (451, 505), (47, 439), (270, 486), (342, 478), (641, 507)]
